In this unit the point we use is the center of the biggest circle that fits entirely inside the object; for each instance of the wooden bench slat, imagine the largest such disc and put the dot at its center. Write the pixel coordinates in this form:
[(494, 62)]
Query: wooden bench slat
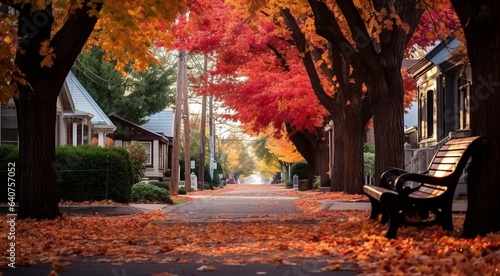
[(446, 160), (442, 167), (438, 173), (454, 147), (451, 153)]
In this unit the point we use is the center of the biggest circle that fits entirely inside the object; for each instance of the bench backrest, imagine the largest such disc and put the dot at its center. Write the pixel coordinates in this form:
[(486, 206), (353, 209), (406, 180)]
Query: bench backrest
[(449, 161), (453, 155)]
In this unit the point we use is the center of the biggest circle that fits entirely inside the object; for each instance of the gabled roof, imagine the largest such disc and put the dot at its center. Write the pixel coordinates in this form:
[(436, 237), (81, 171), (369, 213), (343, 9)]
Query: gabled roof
[(84, 102), (127, 130), (438, 56), (161, 122)]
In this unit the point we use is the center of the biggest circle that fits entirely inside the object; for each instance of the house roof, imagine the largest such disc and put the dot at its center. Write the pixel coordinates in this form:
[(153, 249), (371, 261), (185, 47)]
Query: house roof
[(161, 122), (84, 102), (127, 130), (439, 56)]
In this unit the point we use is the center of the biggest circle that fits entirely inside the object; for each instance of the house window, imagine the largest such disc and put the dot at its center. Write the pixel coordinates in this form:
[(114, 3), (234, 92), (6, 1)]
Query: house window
[(464, 95), (147, 150), (427, 113)]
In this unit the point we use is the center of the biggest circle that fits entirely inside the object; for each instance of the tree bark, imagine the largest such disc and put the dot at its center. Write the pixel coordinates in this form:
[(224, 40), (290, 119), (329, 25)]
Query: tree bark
[(36, 105), (481, 21), (314, 150), (338, 178), (377, 64)]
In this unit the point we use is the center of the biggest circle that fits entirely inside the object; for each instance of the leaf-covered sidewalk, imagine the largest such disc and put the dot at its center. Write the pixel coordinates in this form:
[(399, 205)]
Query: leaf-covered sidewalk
[(344, 240)]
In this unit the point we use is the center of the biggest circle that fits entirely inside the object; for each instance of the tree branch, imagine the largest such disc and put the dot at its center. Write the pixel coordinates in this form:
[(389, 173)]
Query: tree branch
[(71, 38), (300, 42)]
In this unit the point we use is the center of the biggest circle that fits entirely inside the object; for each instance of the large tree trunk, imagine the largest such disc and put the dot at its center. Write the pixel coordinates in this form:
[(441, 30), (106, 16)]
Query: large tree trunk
[(338, 178), (386, 91), (321, 160), (481, 21), (39, 196), (353, 134), (314, 150), (36, 105)]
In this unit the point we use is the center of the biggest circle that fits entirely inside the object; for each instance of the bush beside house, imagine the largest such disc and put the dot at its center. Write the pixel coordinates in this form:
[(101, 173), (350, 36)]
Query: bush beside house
[(147, 192), (82, 173)]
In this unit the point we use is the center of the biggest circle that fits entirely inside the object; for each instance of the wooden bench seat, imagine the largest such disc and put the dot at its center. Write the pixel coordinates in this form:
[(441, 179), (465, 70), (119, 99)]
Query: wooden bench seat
[(401, 193)]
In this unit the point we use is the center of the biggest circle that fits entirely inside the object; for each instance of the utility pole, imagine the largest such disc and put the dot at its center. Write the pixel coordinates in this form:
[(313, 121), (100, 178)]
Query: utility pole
[(187, 154), (212, 137), (174, 179), (202, 134)]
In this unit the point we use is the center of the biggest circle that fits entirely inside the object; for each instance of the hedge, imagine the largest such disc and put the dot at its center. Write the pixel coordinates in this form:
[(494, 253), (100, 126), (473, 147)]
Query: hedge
[(76, 169), (300, 169)]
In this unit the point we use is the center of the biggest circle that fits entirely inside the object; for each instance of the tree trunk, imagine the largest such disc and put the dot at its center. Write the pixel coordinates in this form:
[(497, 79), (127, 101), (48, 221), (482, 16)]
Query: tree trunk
[(36, 105), (338, 172), (386, 90), (353, 137), (39, 196), (321, 160), (314, 150), (482, 32)]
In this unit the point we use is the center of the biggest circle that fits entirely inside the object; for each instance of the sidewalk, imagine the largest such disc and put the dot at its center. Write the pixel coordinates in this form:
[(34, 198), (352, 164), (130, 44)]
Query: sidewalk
[(137, 208), (458, 207)]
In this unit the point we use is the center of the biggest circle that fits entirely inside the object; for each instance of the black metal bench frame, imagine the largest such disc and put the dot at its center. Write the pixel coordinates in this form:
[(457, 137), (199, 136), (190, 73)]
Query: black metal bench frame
[(395, 199)]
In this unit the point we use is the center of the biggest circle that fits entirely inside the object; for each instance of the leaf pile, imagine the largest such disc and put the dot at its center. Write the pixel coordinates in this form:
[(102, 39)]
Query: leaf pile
[(343, 238)]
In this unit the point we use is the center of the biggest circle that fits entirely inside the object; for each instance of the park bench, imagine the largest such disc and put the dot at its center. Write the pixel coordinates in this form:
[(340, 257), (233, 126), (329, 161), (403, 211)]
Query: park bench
[(429, 194)]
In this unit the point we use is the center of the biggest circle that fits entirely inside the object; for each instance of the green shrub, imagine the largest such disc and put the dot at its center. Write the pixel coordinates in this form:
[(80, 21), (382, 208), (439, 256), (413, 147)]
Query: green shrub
[(138, 156), (317, 182), (369, 162), (289, 184), (9, 154), (164, 185), (82, 172), (369, 148), (182, 191), (147, 192), (300, 169)]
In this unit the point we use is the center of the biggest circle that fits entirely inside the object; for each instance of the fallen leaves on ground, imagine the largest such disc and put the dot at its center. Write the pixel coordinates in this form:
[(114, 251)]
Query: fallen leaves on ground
[(345, 238), (329, 240), (311, 202)]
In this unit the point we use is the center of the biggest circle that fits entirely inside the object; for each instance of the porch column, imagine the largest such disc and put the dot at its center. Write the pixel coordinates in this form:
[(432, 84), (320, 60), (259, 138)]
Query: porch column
[(74, 129), (101, 139)]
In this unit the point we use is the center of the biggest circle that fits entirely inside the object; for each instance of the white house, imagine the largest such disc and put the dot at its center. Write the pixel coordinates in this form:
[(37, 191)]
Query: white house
[(78, 118)]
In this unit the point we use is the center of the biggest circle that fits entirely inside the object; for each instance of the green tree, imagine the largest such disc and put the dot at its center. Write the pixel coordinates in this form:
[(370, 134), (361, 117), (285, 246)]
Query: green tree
[(131, 97)]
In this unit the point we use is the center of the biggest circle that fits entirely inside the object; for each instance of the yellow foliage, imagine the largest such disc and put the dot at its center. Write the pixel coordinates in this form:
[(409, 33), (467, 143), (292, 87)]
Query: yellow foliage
[(282, 147)]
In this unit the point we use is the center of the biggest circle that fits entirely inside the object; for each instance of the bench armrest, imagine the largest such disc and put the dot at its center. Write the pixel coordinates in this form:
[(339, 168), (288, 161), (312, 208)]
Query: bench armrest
[(405, 190), (389, 177)]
